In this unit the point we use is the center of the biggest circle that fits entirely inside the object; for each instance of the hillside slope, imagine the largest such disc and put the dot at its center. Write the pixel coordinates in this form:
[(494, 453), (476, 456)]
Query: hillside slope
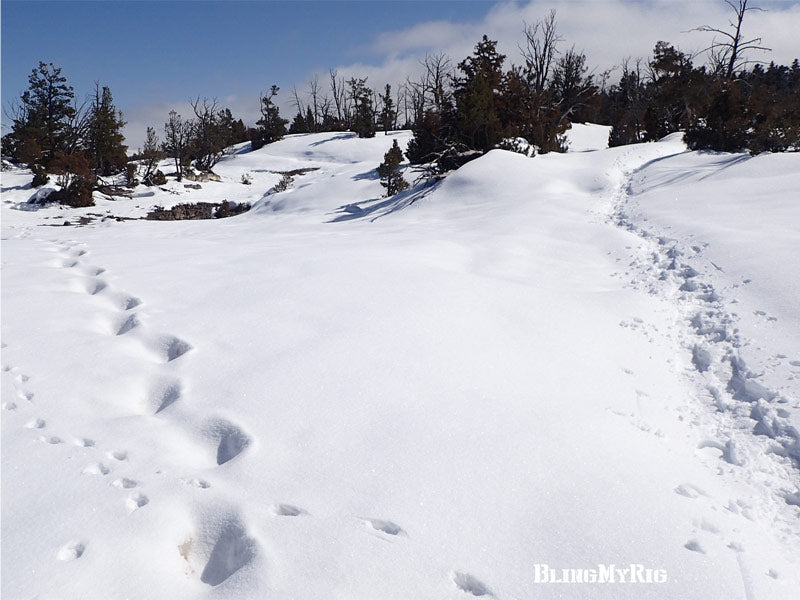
[(538, 361)]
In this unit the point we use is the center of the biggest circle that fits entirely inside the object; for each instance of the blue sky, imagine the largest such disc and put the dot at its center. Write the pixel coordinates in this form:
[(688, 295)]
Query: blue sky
[(171, 49), (157, 55)]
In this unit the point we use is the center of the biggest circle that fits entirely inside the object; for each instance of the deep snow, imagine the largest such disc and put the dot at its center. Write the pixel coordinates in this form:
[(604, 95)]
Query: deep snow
[(569, 360)]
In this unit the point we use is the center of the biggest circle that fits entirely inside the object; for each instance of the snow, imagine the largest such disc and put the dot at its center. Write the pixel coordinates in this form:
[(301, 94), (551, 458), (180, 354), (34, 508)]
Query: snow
[(551, 360), (585, 137)]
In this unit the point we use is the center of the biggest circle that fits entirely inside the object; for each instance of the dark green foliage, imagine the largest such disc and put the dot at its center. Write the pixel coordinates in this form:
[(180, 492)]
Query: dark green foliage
[(430, 138), (477, 93), (43, 119), (572, 90), (389, 171), (627, 103), (758, 111), (299, 124), (270, 127), (363, 120), (725, 122), (388, 115), (104, 147), (672, 92), (531, 114)]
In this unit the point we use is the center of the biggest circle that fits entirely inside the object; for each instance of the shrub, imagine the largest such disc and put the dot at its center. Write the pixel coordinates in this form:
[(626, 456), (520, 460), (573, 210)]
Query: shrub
[(130, 174), (197, 211), (39, 176), (389, 171), (75, 178), (157, 178)]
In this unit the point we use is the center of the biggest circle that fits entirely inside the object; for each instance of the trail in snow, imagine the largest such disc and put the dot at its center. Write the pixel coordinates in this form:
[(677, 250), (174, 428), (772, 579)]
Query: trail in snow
[(421, 405)]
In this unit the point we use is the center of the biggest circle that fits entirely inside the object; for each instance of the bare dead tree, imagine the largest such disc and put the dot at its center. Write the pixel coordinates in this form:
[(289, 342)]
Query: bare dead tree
[(541, 41), (297, 102), (77, 129), (727, 54), (313, 91), (438, 72), (338, 92)]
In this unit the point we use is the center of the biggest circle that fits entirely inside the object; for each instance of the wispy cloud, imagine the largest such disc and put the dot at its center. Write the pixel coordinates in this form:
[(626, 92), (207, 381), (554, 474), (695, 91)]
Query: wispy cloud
[(606, 30)]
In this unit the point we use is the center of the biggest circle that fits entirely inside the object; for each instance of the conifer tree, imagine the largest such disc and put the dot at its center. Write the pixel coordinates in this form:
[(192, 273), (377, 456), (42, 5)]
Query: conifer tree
[(270, 127), (389, 171), (104, 147), (476, 95), (363, 122), (42, 120), (150, 156), (388, 115)]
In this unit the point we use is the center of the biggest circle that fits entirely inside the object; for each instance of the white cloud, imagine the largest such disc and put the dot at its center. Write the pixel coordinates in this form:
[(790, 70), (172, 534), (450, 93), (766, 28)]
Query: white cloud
[(606, 30)]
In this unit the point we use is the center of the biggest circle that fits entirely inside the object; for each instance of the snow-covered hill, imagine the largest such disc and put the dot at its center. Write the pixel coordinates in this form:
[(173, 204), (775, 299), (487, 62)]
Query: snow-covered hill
[(571, 360)]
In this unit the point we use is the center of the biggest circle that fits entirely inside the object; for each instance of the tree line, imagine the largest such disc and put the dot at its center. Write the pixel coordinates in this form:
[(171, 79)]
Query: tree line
[(456, 111)]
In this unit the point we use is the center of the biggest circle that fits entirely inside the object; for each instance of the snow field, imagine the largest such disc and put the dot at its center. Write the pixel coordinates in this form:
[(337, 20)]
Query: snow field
[(336, 395)]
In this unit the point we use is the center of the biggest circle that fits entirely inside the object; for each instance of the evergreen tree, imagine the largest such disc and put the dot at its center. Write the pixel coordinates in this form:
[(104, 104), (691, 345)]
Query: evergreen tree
[(150, 156), (104, 147), (389, 171), (41, 123), (388, 115), (270, 127), (363, 120), (311, 122), (299, 124), (477, 95)]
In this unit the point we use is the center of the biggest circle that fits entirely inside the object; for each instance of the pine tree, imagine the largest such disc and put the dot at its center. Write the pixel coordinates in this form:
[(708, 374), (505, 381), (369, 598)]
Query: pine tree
[(270, 127), (389, 171), (299, 124), (476, 95), (388, 115), (363, 122), (104, 146), (41, 123), (150, 156)]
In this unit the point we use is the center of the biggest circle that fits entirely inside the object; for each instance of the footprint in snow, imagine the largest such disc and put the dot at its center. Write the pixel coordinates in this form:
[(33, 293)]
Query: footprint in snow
[(118, 455), (36, 424), (694, 546), (71, 551), (96, 469), (388, 527), (198, 483), (124, 483), (471, 585), (136, 501), (287, 510)]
